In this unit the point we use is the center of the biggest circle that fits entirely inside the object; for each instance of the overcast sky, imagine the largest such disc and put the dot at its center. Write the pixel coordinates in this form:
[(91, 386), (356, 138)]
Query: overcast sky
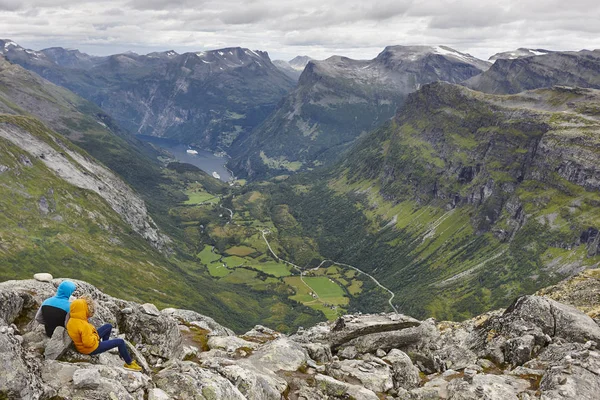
[(318, 28)]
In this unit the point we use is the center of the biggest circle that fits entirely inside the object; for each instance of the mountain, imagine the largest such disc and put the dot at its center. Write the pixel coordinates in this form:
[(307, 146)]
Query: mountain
[(462, 200), (507, 76), (537, 348), (519, 53), (204, 98), (294, 67), (339, 99)]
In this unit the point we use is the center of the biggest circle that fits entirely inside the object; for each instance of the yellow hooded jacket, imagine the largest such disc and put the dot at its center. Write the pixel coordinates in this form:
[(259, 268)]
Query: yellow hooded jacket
[(84, 335)]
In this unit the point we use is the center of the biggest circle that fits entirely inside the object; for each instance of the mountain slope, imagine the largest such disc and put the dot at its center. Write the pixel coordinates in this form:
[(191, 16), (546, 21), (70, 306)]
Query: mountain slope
[(205, 98), (463, 199), (339, 99), (507, 76)]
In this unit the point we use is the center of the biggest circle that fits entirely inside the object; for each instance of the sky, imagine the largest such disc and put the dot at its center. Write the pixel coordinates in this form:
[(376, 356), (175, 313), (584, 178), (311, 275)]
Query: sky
[(317, 28)]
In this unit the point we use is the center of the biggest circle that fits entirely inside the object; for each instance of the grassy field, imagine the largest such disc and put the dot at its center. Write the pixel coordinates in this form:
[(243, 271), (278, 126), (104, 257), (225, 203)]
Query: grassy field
[(217, 270), (241, 251), (206, 256), (200, 197), (272, 268), (329, 293)]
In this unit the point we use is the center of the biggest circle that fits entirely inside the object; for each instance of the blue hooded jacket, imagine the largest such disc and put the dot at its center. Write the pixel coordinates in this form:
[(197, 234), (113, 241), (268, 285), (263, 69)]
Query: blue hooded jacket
[(61, 300)]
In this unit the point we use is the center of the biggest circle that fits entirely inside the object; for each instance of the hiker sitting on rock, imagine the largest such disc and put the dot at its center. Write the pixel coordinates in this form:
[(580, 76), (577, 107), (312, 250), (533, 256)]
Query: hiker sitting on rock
[(54, 311), (90, 341)]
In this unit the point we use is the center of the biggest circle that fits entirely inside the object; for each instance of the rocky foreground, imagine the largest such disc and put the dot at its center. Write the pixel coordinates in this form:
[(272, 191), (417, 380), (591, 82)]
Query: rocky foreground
[(537, 348)]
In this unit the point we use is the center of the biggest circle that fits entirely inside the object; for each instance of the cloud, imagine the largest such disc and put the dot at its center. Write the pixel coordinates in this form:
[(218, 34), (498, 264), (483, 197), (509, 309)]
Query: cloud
[(285, 28)]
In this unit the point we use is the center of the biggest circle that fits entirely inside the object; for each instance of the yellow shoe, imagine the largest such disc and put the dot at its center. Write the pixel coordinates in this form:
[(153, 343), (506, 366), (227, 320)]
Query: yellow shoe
[(133, 366)]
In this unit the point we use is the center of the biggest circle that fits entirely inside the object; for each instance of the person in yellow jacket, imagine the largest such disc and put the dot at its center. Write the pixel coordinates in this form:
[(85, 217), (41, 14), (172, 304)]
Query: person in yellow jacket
[(90, 341)]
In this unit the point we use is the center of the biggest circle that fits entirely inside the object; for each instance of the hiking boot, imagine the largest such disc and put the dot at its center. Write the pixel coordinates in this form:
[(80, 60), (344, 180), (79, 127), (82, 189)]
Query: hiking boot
[(133, 366)]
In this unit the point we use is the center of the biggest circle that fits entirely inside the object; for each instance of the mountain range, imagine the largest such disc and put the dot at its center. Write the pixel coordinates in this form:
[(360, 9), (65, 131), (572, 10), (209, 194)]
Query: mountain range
[(339, 99), (427, 180), (204, 98)]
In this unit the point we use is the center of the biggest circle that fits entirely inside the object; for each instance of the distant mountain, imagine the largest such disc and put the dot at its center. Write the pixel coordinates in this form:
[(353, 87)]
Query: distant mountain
[(294, 67), (519, 53), (508, 76), (204, 98), (338, 99)]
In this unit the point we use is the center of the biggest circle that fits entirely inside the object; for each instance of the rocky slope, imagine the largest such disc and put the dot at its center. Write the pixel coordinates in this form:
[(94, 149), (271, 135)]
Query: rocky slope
[(205, 98), (535, 349), (507, 76), (339, 99)]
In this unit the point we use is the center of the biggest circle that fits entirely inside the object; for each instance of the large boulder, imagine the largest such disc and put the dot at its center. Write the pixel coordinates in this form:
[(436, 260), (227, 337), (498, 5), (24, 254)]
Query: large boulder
[(189, 317), (11, 305), (336, 389), (17, 380), (488, 386), (156, 334), (187, 380), (83, 380), (373, 374), (254, 384), (58, 344), (405, 374), (279, 355), (576, 375)]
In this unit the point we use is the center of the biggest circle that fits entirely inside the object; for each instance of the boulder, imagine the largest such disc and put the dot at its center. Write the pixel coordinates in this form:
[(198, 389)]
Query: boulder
[(158, 394), (279, 355), (187, 380), (157, 335), (86, 379), (350, 327), (405, 374), (199, 320), (17, 381), (230, 343), (58, 344), (372, 375), (575, 376), (254, 384), (518, 351), (337, 389), (43, 277), (11, 305), (497, 387)]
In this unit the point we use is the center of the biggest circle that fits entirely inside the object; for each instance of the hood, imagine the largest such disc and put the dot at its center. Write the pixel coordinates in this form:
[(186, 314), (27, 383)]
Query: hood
[(65, 290), (79, 309)]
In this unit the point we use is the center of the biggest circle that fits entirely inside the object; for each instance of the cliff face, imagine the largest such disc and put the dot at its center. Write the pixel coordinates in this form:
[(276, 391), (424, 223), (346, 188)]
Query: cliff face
[(535, 349), (339, 99), (206, 98)]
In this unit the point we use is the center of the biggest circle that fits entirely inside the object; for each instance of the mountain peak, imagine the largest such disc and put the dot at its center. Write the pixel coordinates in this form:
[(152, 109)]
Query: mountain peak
[(521, 52)]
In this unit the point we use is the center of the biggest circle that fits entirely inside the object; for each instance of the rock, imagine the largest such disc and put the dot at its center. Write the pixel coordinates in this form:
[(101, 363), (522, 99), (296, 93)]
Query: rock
[(280, 355), (336, 389), (317, 351), (405, 374), (397, 339), (17, 381), (158, 333), (186, 380), (158, 394), (519, 350), (469, 374), (496, 387), (575, 376), (348, 352), (380, 353), (230, 343), (201, 321), (540, 316), (261, 334), (86, 379), (43, 277), (373, 376), (254, 384), (58, 344), (11, 305), (150, 309), (368, 324)]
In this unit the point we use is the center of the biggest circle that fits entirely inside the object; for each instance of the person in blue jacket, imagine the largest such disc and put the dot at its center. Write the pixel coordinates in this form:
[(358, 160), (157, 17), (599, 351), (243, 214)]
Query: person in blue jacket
[(54, 311)]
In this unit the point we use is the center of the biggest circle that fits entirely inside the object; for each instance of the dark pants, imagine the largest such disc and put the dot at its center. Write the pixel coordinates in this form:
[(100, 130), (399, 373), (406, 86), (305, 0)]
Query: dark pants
[(107, 344)]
